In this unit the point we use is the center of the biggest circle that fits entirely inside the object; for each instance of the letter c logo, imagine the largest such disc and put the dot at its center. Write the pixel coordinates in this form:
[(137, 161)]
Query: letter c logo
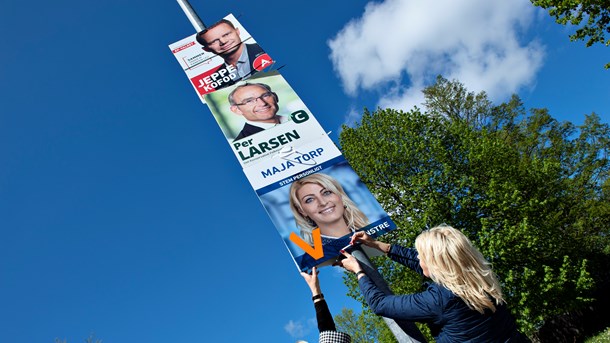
[(299, 116)]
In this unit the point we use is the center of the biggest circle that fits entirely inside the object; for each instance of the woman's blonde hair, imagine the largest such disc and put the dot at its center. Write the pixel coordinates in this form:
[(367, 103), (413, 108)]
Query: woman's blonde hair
[(455, 263), (354, 218)]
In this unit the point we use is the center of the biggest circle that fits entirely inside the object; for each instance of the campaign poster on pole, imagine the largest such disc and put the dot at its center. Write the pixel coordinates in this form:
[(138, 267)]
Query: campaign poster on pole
[(262, 115), (219, 56), (311, 188), (313, 197)]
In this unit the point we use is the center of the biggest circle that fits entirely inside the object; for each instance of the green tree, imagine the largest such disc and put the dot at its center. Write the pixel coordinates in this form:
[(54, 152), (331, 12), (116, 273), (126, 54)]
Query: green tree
[(592, 17), (364, 327), (531, 192)]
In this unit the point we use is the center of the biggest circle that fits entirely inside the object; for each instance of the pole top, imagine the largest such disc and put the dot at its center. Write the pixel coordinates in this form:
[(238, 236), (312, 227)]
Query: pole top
[(191, 15)]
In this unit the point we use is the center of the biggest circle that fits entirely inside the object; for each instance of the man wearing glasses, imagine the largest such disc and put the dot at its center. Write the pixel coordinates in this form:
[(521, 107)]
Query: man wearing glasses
[(240, 60), (258, 104)]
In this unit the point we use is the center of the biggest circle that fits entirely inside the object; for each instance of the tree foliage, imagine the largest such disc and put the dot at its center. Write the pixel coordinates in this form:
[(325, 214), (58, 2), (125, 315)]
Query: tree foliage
[(592, 17), (364, 327), (531, 192)]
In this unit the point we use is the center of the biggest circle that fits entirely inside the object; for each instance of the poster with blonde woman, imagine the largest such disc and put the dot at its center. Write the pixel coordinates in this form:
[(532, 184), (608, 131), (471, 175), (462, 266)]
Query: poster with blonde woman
[(319, 205)]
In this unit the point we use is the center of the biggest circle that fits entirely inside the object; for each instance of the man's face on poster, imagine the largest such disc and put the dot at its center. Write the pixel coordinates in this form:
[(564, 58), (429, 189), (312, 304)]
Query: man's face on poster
[(256, 104), (222, 39)]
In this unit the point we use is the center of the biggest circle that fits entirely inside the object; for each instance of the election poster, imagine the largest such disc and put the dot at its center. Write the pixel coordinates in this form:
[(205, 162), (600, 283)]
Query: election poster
[(219, 56), (316, 201), (313, 197), (261, 116)]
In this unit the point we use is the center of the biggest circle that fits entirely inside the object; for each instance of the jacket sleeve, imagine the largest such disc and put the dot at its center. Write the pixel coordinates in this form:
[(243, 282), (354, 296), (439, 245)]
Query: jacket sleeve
[(427, 305), (323, 316), (406, 256)]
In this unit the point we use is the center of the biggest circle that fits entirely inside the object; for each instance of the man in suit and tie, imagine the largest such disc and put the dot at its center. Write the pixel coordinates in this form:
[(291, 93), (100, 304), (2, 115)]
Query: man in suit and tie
[(241, 60), (258, 104)]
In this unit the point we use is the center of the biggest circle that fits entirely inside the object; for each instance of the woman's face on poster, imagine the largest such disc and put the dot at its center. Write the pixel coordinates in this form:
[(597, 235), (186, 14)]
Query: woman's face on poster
[(320, 204)]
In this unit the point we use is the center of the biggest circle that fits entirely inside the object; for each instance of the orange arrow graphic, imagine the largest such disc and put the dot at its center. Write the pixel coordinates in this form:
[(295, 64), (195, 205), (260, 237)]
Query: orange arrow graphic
[(317, 251)]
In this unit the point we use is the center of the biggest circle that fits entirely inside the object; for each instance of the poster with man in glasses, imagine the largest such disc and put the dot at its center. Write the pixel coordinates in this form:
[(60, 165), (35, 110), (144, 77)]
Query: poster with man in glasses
[(262, 115), (220, 55)]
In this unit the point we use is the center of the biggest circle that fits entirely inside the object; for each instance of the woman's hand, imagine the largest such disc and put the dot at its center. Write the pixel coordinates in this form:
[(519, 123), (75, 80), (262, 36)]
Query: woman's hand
[(364, 238), (350, 263), (312, 281)]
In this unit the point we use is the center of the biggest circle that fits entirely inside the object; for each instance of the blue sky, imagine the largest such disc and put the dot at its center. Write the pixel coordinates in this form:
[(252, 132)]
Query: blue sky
[(124, 213)]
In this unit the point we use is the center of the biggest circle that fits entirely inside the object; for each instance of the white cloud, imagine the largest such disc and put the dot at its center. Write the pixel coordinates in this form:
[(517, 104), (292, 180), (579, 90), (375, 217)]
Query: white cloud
[(404, 98), (296, 328), (402, 45), (351, 118)]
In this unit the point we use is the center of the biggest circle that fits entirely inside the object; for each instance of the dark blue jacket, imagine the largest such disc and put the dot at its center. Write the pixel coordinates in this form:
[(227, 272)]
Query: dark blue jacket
[(448, 316)]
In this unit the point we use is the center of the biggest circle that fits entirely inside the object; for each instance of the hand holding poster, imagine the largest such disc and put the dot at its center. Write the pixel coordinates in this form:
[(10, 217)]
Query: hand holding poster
[(312, 195)]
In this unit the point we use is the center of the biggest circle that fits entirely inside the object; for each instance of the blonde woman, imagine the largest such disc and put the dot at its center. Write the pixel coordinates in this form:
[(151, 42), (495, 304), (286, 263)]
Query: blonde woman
[(319, 201), (463, 304)]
